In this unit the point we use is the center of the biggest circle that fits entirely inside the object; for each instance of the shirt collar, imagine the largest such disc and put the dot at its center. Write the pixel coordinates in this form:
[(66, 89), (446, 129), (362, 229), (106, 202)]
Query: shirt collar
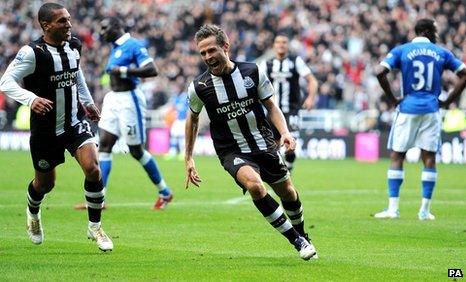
[(122, 39), (421, 39)]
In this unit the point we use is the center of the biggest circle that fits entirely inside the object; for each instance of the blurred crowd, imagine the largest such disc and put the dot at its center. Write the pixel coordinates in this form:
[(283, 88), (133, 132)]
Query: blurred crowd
[(341, 40)]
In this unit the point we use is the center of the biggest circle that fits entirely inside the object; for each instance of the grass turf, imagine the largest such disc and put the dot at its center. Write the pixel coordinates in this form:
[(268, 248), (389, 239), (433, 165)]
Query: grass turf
[(214, 233)]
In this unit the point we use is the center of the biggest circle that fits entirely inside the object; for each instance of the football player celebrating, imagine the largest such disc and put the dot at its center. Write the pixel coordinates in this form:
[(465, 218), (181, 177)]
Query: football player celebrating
[(54, 86), (233, 94)]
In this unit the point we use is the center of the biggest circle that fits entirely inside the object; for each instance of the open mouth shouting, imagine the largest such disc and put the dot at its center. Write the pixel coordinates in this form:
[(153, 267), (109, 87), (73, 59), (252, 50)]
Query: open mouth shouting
[(67, 33), (215, 67)]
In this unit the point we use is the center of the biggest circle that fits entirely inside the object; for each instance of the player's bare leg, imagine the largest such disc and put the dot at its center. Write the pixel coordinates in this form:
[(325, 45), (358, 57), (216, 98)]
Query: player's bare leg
[(292, 205), (106, 143), (86, 156), (272, 211), (149, 164)]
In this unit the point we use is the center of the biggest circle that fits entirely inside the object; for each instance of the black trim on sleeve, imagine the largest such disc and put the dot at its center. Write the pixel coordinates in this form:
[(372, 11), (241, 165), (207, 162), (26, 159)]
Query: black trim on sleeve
[(195, 111), (266, 98)]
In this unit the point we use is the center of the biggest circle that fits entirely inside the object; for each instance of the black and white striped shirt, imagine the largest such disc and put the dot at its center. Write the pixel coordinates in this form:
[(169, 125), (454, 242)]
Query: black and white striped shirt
[(233, 103), (51, 72), (284, 75)]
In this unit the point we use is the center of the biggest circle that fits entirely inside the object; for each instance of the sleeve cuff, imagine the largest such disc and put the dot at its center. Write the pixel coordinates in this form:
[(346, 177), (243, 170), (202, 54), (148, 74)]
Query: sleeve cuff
[(384, 64), (31, 100), (194, 111), (145, 62), (266, 98), (461, 67)]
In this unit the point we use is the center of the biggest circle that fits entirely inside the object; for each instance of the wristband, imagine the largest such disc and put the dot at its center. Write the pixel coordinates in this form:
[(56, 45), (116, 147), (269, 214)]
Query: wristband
[(123, 72)]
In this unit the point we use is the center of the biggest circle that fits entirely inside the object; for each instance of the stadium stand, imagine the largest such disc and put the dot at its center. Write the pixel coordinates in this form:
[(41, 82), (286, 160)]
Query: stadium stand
[(342, 41)]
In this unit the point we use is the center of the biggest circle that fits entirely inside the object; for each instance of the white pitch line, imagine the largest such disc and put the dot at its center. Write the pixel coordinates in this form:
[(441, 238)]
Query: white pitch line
[(246, 199), (236, 201)]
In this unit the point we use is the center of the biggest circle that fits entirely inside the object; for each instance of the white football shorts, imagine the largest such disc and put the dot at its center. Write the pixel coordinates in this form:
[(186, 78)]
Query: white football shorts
[(124, 115), (415, 130)]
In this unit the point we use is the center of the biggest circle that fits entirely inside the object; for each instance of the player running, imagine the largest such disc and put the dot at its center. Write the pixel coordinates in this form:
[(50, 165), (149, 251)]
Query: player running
[(124, 108), (233, 94), (54, 89)]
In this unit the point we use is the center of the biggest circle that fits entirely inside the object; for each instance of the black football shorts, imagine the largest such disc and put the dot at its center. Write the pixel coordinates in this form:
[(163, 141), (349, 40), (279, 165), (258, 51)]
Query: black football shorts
[(49, 151), (269, 165)]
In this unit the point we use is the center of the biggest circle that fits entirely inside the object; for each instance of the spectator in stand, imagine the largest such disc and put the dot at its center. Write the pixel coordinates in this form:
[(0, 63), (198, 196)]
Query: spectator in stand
[(327, 35)]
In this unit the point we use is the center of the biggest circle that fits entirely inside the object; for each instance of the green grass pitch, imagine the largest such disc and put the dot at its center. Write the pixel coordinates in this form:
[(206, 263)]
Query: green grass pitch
[(214, 233)]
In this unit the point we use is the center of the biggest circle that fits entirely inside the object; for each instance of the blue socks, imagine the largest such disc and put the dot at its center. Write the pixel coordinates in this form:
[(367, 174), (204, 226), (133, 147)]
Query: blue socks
[(151, 168), (395, 178), (105, 163), (149, 164), (429, 177)]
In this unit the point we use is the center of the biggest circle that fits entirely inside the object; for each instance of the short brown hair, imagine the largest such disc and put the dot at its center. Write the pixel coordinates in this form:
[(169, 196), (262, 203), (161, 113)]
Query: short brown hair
[(209, 30)]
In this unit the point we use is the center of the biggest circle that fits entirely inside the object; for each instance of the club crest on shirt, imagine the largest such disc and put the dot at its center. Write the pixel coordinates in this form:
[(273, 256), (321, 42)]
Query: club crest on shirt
[(43, 164), (143, 50), (118, 53), (248, 82)]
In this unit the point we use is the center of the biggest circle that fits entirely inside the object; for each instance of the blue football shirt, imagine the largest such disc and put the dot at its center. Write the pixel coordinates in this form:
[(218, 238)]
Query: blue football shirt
[(181, 105), (128, 52), (421, 63)]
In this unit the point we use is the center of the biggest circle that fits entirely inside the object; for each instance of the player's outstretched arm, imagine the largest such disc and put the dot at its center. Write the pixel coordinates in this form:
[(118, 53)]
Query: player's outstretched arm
[(312, 85), (457, 90), (92, 112), (278, 120), (381, 74), (147, 70), (191, 130)]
